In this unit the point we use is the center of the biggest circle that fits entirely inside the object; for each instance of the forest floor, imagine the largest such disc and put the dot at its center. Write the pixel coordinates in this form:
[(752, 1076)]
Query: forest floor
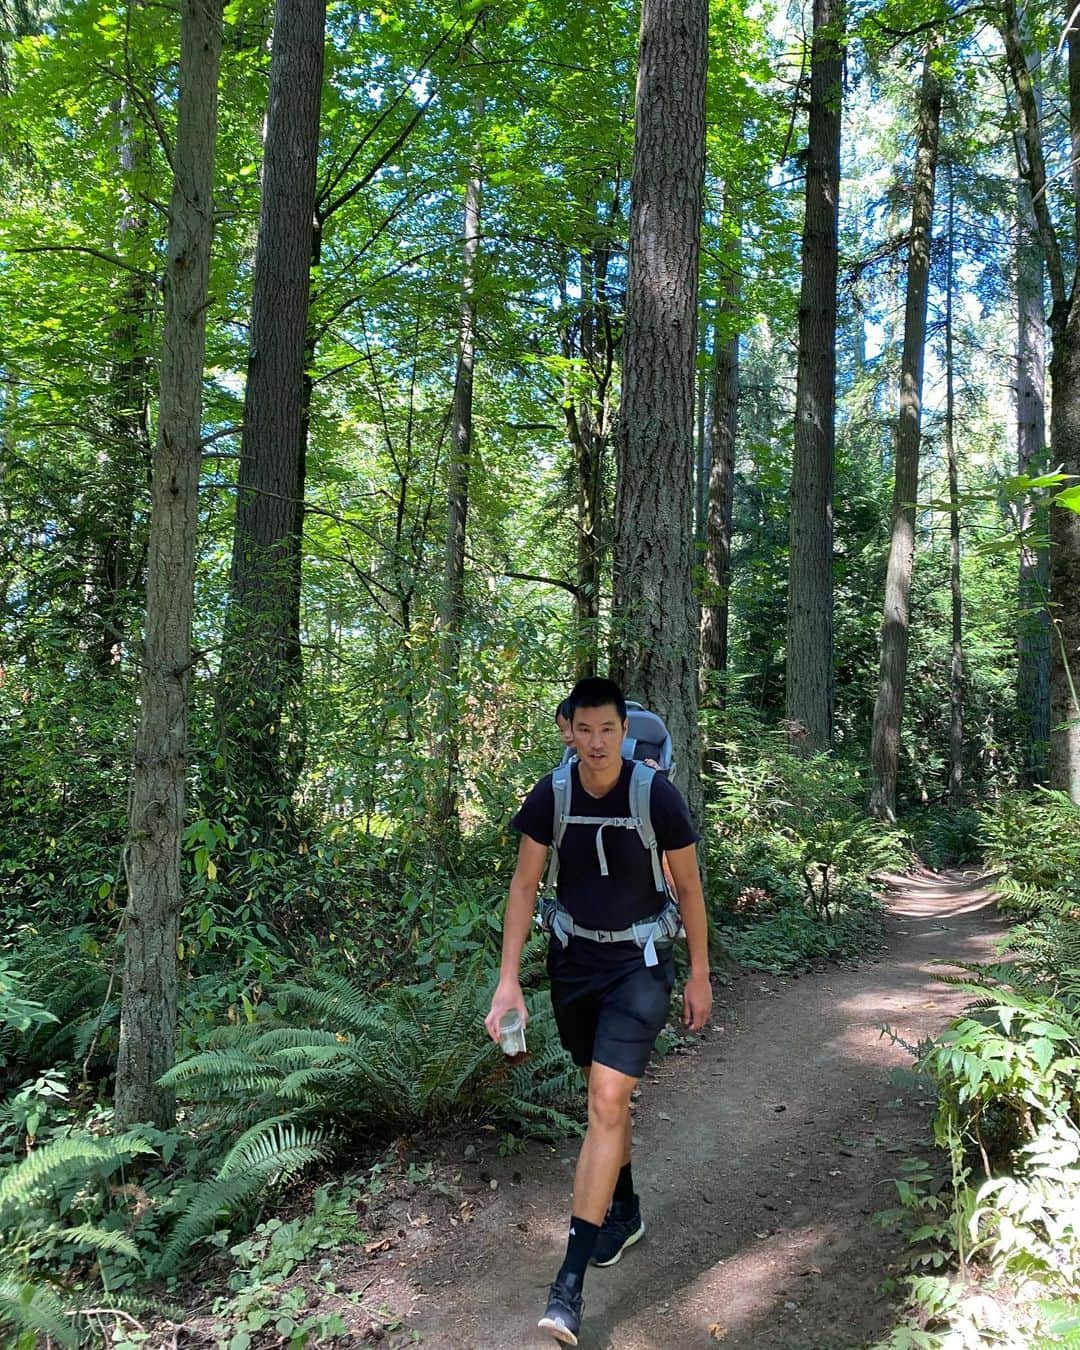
[(762, 1150)]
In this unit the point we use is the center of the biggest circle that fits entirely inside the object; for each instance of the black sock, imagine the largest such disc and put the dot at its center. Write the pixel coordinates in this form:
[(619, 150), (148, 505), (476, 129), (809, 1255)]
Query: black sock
[(624, 1186), (579, 1247)]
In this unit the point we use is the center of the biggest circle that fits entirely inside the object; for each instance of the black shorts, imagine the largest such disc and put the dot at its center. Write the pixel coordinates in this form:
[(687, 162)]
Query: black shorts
[(609, 1006)]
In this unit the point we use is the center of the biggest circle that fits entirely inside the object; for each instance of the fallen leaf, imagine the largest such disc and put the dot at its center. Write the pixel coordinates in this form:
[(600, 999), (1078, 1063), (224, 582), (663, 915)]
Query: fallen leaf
[(717, 1332), (379, 1245)]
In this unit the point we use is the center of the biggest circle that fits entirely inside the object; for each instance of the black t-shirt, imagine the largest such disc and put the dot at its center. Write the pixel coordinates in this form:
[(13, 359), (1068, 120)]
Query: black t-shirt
[(628, 893)]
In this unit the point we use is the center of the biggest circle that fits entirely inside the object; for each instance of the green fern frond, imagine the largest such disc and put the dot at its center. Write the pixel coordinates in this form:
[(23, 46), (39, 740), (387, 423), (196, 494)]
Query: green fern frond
[(235, 1069), (101, 1239), (34, 1308), (210, 1200), (290, 1038), (269, 1147), (337, 1002), (61, 1160)]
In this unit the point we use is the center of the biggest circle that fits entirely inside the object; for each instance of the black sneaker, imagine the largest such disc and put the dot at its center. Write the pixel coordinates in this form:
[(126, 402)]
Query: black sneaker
[(562, 1318), (622, 1228)]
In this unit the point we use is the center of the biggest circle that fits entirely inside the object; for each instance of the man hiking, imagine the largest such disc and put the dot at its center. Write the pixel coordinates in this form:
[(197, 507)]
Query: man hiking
[(609, 961)]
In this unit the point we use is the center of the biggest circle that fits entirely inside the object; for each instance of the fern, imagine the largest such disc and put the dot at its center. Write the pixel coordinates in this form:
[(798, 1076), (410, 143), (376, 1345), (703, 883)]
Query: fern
[(394, 1059), (33, 1308), (100, 1239), (268, 1159), (63, 1160)]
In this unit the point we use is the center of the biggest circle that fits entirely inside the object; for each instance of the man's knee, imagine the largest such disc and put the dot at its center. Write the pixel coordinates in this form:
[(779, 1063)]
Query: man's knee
[(609, 1099)]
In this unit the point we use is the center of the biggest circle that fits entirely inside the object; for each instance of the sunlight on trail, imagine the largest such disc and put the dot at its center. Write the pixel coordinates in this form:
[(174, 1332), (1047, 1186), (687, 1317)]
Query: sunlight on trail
[(740, 1292)]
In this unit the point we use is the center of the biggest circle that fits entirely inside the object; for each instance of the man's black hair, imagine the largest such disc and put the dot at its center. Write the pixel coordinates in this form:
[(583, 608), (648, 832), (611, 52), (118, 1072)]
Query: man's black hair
[(596, 692), (565, 709)]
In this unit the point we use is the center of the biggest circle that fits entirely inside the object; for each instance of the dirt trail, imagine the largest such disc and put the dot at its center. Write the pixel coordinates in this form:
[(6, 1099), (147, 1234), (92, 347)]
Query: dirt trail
[(760, 1159)]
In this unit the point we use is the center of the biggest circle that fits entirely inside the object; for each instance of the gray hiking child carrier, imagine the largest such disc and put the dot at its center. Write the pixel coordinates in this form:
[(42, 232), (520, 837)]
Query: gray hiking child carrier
[(646, 738)]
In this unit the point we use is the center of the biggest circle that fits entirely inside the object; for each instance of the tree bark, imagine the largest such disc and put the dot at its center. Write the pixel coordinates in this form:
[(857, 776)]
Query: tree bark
[(148, 1013), (655, 619), (956, 666), (1033, 638), (587, 409), (888, 708), (810, 676), (1064, 526), (127, 468), (724, 423), (452, 607), (260, 707)]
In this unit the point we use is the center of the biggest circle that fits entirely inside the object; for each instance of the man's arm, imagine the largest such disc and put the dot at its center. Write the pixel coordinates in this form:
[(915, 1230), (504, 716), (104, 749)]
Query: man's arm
[(516, 924), (697, 995)]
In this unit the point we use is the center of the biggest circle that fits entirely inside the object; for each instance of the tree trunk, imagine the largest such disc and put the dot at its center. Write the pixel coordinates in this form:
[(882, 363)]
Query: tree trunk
[(721, 494), (956, 667), (703, 450), (1064, 525), (1033, 638), (810, 677), (148, 1013), (655, 622), (1064, 757), (587, 412), (260, 705), (452, 607), (888, 708), (129, 456)]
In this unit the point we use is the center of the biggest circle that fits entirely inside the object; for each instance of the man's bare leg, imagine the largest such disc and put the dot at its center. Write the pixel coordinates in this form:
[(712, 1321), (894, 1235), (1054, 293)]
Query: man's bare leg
[(607, 1143)]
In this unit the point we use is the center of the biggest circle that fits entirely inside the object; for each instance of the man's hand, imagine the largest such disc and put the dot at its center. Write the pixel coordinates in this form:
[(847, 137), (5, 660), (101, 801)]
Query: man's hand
[(697, 1001), (507, 995)]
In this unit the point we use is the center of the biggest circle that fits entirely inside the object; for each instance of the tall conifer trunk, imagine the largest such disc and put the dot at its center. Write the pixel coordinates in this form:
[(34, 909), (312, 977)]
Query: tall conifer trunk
[(128, 462), (956, 665), (723, 422), (259, 692), (655, 616), (810, 678), (1033, 638), (452, 607), (888, 708), (148, 1013), (1064, 525)]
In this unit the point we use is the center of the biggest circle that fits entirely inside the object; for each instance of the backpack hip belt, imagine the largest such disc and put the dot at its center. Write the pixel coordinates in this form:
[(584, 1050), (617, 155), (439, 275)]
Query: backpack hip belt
[(657, 932)]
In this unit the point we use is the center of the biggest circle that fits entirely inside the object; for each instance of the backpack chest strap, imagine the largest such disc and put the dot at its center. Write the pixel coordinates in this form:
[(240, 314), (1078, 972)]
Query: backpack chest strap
[(602, 823)]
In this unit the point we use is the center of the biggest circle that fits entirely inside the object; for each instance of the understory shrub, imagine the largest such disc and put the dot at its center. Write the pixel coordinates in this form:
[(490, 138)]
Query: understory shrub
[(945, 836), (790, 853), (1007, 1076), (398, 1058)]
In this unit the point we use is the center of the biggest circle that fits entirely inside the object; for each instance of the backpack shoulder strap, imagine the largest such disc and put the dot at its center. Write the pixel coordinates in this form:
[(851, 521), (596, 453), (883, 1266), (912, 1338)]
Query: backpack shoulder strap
[(561, 787), (641, 781)]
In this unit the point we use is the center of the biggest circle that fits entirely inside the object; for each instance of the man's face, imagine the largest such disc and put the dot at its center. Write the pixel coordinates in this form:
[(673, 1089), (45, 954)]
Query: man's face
[(566, 731), (598, 736)]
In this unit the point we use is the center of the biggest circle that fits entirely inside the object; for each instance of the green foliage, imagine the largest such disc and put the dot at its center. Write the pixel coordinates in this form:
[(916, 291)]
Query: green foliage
[(35, 1194), (945, 836), (260, 1301), (17, 1014), (387, 1061), (1007, 1076), (267, 1154), (1034, 840), (68, 974), (789, 851)]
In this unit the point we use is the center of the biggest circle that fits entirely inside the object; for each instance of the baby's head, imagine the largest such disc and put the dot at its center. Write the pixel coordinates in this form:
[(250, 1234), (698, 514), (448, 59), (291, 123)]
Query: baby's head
[(564, 715)]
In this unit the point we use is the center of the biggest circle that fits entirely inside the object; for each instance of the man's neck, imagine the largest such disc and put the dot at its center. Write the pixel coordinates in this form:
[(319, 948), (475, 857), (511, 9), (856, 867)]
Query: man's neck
[(598, 785)]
